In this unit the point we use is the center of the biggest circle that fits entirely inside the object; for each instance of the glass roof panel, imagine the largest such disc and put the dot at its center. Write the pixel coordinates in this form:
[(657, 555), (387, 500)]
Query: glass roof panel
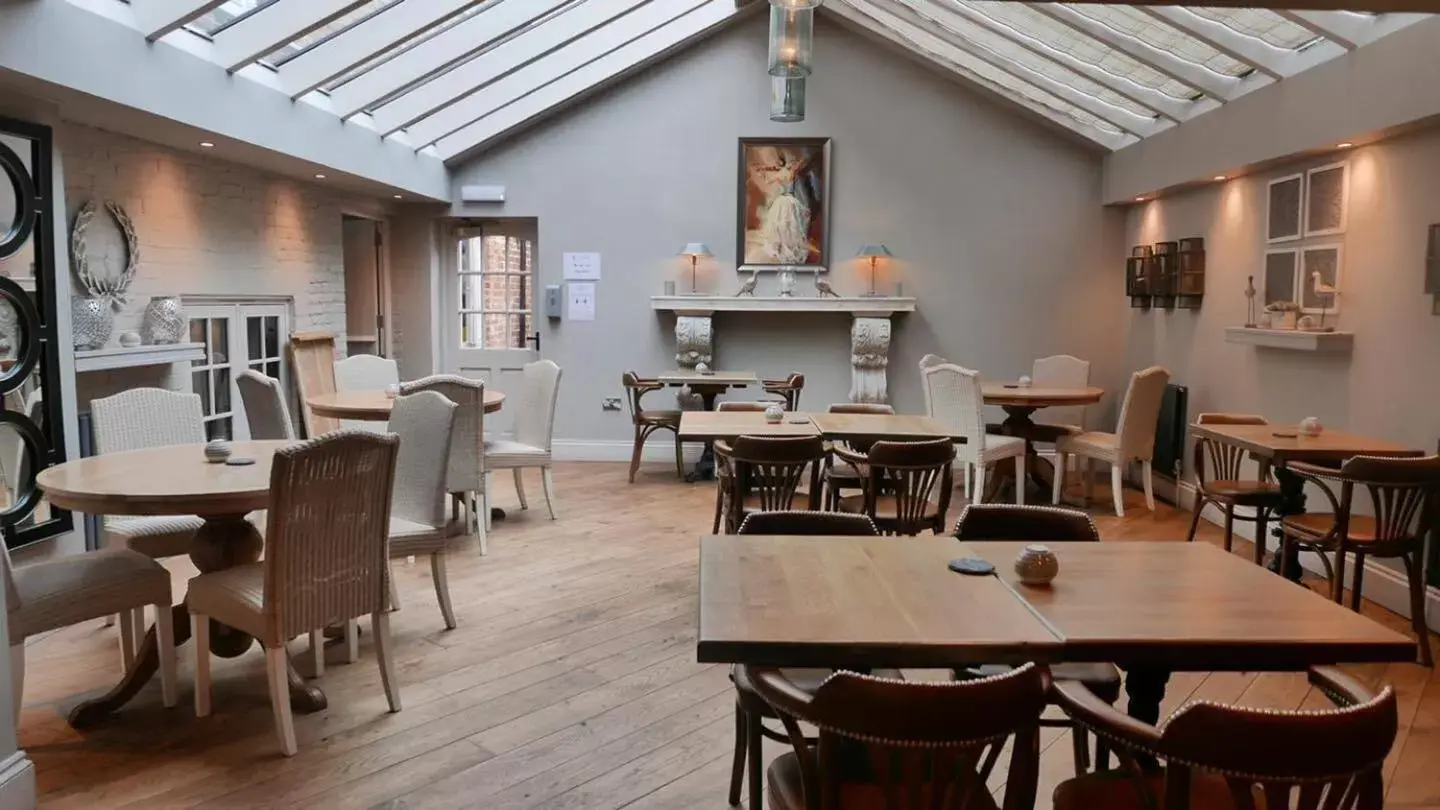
[(297, 46), (1057, 36), (1033, 96), (417, 39), (227, 14), (1261, 24), (1147, 29)]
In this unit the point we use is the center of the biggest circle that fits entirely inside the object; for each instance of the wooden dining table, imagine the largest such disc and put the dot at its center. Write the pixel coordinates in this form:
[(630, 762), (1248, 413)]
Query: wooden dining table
[(1020, 403), (709, 426), (375, 406), (708, 385)]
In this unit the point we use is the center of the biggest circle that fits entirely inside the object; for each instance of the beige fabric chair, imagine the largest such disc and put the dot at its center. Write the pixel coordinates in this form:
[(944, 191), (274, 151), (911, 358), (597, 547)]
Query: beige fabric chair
[(1133, 439), (425, 423), (1062, 371), (265, 410), (324, 563), (534, 431), (365, 372), (953, 396), (465, 477)]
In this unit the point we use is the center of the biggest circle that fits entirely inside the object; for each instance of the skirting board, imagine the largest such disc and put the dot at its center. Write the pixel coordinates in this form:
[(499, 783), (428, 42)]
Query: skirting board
[(17, 782)]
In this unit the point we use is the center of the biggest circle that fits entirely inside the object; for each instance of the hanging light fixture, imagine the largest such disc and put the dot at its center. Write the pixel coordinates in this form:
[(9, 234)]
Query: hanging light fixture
[(792, 34), (787, 100)]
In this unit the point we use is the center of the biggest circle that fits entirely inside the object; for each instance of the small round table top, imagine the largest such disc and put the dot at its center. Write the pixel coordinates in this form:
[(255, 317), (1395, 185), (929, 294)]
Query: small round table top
[(374, 406), (171, 480), (1038, 396)]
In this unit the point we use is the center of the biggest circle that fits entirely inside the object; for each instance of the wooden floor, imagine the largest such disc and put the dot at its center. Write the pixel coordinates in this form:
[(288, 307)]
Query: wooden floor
[(571, 682)]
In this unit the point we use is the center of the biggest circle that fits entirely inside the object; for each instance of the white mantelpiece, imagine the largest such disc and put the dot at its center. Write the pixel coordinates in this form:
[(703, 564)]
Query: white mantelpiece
[(131, 356), (1293, 339), (869, 331)]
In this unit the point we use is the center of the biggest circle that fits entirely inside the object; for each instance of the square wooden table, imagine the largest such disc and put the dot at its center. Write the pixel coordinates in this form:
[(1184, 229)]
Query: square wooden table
[(881, 426), (711, 425)]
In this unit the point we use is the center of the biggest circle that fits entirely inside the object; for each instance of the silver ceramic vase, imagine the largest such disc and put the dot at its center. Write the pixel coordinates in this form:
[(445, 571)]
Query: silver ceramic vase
[(165, 320), (91, 322)]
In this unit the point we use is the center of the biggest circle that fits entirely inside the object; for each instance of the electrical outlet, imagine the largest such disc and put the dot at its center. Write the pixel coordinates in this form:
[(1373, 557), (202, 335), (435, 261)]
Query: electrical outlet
[(610, 404)]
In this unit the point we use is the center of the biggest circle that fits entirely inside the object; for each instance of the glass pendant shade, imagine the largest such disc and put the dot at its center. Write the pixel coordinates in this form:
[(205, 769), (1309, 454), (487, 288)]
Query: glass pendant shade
[(792, 36), (787, 100)]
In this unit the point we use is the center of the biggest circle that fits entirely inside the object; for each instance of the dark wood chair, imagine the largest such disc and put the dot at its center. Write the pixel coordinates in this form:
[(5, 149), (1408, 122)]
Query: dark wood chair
[(751, 710), (1045, 524), (765, 474), (899, 479), (1226, 489), (787, 389), (647, 422), (1224, 757), (839, 478), (1403, 494), (743, 405), (886, 743)]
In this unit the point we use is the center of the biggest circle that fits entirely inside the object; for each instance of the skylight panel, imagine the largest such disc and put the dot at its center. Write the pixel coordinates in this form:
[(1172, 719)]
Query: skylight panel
[(295, 47), (1261, 24), (1157, 34), (227, 14), (1012, 87), (419, 38)]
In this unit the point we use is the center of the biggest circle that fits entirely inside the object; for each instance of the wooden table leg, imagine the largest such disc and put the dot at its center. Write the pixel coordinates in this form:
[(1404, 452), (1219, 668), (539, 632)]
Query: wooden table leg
[(1145, 688), (1292, 492), (705, 467)]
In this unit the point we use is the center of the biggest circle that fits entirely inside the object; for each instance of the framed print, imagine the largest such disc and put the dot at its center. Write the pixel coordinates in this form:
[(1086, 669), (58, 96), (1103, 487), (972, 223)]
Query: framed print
[(1327, 199), (1320, 265), (1280, 269), (784, 204), (1284, 197)]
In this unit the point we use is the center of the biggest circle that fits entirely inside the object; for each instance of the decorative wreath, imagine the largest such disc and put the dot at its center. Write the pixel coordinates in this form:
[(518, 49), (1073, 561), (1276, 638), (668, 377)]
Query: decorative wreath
[(108, 288)]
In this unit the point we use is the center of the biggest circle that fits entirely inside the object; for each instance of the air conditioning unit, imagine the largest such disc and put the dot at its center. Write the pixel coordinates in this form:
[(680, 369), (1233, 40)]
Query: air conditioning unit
[(482, 194)]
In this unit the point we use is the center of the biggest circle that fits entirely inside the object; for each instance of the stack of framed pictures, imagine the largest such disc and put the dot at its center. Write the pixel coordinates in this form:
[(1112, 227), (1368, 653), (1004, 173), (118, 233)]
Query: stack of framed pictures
[(1308, 209)]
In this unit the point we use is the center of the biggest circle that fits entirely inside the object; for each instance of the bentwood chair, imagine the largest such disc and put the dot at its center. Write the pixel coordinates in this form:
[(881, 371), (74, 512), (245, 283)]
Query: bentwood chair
[(1222, 757), (648, 421), (722, 472), (1405, 496), (742, 406), (954, 396), (839, 479), (534, 433), (765, 473), (887, 743), (787, 389), (465, 474), (265, 410), (1045, 524), (750, 709), (1226, 489), (365, 372), (1133, 440), (324, 564), (424, 422), (906, 485)]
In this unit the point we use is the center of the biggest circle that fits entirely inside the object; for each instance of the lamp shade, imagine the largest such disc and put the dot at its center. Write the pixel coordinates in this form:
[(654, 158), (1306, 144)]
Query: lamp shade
[(873, 251), (696, 250)]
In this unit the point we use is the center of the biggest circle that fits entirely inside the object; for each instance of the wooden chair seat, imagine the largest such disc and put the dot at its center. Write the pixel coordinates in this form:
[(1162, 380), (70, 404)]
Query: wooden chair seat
[(1244, 493), (1318, 524), (787, 791), (1117, 790)]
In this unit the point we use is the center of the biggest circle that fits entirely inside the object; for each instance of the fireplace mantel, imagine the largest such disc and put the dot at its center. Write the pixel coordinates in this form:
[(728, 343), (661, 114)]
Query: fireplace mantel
[(877, 307)]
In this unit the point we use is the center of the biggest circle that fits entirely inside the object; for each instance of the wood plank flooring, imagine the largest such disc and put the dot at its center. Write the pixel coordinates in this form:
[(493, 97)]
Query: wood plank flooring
[(571, 682)]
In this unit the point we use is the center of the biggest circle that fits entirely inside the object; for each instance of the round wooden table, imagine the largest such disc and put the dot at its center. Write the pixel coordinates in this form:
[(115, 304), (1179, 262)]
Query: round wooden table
[(1020, 403), (177, 480), (374, 406)]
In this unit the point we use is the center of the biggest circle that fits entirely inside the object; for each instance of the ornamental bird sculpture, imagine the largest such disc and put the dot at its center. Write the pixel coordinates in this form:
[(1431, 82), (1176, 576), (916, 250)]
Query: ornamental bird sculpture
[(748, 288), (826, 291), (1321, 288)]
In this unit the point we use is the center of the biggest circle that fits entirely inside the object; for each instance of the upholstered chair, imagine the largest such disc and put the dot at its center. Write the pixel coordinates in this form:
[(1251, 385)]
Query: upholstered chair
[(425, 423), (264, 403), (534, 433), (1062, 371), (953, 396), (365, 372), (1133, 440), (465, 476)]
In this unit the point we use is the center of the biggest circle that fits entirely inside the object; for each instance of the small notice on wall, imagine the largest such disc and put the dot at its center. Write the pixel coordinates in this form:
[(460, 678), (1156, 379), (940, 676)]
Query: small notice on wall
[(582, 301), (585, 266)]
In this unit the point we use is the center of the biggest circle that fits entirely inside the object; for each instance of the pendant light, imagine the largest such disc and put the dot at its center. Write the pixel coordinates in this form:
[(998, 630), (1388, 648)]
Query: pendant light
[(787, 100), (792, 34)]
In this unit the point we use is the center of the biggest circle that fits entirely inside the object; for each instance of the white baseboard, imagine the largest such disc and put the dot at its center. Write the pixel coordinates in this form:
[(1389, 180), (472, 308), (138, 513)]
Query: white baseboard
[(17, 782), (660, 448)]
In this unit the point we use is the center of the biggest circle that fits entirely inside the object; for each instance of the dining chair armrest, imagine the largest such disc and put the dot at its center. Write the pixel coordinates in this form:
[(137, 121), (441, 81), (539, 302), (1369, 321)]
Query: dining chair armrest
[(1342, 689), (1102, 718), (778, 691), (723, 448)]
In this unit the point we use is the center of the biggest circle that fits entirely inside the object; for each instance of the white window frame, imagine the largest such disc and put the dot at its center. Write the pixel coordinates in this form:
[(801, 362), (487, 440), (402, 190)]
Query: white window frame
[(237, 312)]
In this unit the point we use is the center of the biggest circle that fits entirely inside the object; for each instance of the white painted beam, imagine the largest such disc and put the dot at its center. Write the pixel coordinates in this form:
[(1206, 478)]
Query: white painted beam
[(272, 26), (612, 67), (1253, 52), (540, 72), (513, 54), (437, 53), (359, 43), (1341, 29), (156, 18)]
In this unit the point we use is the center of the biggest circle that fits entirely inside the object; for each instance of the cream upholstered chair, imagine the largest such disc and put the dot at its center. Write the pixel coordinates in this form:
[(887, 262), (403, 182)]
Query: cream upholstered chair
[(365, 372), (465, 477), (534, 430), (425, 423), (265, 410), (931, 360), (1062, 371), (1133, 439), (324, 563), (952, 395)]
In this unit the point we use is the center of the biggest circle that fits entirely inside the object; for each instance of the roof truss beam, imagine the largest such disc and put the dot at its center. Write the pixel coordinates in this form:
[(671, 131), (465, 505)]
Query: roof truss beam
[(156, 18), (1334, 26), (272, 26), (1253, 52)]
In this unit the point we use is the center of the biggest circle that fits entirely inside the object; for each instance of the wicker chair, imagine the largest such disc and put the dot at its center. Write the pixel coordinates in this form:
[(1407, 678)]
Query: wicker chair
[(265, 410), (425, 423), (787, 389), (1222, 757), (329, 507), (1226, 489), (900, 479), (1062, 371), (838, 479), (953, 395), (1044, 524), (1405, 493), (765, 473), (534, 432), (1133, 440), (887, 743), (465, 476), (647, 422), (365, 372)]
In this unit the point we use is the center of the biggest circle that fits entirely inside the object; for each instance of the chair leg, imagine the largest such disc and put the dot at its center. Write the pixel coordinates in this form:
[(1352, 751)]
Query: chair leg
[(1147, 473), (1355, 588), (719, 506), (1080, 739), (394, 591), (1058, 485), (200, 643), (520, 487), (979, 484), (965, 481), (753, 743), (679, 457), (477, 504), (485, 507), (17, 679), (442, 588), (737, 770), (352, 641), (380, 629), (277, 671), (1229, 525), (640, 434), (1337, 576), (1195, 517), (165, 640), (1117, 487), (127, 640), (1416, 574), (1020, 479), (547, 483), (317, 651), (1089, 482), (1262, 525)]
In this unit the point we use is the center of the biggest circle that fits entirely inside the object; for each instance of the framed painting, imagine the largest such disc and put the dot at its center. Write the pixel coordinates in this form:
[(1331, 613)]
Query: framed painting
[(1283, 201), (1281, 267), (1322, 263), (1327, 199), (784, 204)]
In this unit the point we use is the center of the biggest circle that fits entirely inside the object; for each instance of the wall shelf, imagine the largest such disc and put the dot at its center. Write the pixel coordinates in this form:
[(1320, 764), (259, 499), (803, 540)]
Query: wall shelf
[(112, 357), (1292, 339), (863, 307)]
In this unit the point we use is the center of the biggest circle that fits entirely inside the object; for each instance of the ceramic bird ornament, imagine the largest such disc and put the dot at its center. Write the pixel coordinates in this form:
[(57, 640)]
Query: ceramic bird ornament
[(1321, 288), (826, 291), (748, 288)]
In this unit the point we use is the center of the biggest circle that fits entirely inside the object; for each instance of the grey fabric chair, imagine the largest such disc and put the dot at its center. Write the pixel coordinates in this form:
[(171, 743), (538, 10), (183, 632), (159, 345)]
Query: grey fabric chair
[(265, 409), (534, 430), (465, 475), (424, 423)]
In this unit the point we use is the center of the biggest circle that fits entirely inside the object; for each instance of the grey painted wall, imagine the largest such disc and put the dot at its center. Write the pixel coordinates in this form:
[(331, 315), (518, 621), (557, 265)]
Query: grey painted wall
[(997, 221)]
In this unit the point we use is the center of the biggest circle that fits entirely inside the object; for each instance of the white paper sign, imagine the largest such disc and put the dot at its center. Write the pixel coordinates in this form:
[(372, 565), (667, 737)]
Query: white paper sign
[(582, 301), (582, 266)]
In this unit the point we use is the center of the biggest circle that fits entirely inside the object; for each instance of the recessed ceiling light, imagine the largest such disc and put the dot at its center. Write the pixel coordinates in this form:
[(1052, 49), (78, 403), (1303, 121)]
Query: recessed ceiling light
[(1219, 177), (1140, 198), (319, 177), (399, 196), (1344, 145), (207, 144)]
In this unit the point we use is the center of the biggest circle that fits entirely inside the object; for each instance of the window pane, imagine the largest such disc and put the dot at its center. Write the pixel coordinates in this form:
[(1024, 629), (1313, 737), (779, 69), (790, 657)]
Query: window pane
[(230, 12), (222, 390), (219, 340), (517, 291), (497, 332), (254, 343), (417, 39), (200, 384), (272, 336), (218, 429), (355, 16), (470, 334), (272, 369), (1261, 24), (197, 335)]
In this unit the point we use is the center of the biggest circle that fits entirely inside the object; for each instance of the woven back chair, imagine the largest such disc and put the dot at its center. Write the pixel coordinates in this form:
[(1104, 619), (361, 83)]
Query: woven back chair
[(465, 473), (365, 372), (647, 422), (765, 474), (1218, 468), (787, 389), (1062, 371), (534, 431), (900, 479), (1231, 756), (797, 522), (954, 396), (425, 423), (924, 744), (742, 406), (264, 403), (1026, 524)]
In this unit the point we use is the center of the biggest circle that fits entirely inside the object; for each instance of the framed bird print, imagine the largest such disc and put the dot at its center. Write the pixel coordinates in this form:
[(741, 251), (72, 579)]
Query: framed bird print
[(784, 204), (1320, 267)]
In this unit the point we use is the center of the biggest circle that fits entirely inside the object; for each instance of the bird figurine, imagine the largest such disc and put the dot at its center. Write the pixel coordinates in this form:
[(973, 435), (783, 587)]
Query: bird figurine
[(1321, 288), (1250, 302), (748, 288), (826, 291)]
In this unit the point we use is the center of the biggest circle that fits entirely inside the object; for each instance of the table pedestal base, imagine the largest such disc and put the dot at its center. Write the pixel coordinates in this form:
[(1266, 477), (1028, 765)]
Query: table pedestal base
[(1041, 473)]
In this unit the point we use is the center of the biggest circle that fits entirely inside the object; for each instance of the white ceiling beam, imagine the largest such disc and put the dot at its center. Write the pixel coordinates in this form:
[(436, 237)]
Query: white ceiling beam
[(1253, 52), (156, 18), (506, 57), (272, 26), (359, 43), (1221, 88), (540, 72), (441, 51), (612, 67), (1341, 29)]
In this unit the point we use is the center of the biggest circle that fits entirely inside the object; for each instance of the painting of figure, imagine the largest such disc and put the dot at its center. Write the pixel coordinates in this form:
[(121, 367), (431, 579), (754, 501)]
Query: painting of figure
[(784, 196)]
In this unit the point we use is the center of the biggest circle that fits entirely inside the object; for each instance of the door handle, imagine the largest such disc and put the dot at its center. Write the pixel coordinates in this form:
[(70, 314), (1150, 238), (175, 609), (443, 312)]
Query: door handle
[(535, 338)]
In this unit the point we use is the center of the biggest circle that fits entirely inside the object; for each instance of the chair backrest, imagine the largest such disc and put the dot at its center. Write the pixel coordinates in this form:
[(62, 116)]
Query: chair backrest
[(921, 738), (146, 417), (636, 387), (911, 473), (772, 469), (1062, 371), (312, 359), (1140, 413), (1404, 494), (742, 405), (425, 423), (931, 360), (365, 372), (953, 396), (535, 418), (788, 388), (1223, 459), (862, 407), (798, 522), (326, 531), (265, 409), (466, 470), (1029, 524)]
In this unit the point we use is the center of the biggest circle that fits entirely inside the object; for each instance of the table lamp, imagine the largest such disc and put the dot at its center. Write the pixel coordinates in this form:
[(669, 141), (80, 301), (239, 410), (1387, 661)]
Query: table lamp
[(695, 251), (874, 253)]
